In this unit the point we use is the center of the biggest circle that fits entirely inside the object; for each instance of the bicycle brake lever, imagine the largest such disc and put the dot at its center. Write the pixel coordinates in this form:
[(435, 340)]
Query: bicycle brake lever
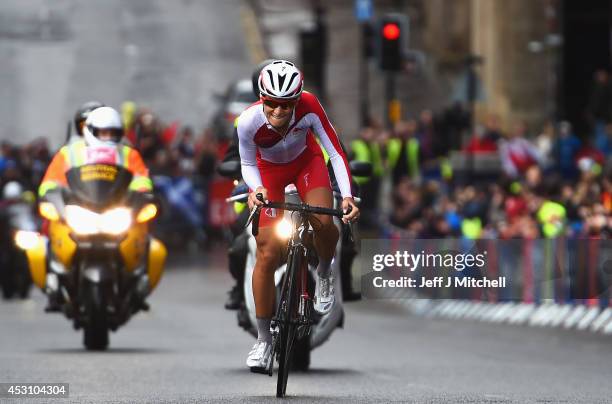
[(254, 216), (250, 218)]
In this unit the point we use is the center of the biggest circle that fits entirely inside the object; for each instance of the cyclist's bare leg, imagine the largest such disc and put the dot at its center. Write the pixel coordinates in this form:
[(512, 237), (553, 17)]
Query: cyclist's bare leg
[(267, 260), (325, 232)]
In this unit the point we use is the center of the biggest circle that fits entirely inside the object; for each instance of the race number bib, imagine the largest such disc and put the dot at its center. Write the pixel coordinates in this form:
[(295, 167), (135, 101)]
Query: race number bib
[(102, 155)]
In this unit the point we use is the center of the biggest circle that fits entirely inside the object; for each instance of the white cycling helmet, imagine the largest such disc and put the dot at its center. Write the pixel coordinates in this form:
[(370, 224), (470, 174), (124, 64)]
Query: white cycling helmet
[(12, 191), (103, 118), (281, 80)]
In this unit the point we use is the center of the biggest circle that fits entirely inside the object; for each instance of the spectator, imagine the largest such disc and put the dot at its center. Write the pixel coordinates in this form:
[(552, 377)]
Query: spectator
[(569, 201), (161, 165), (596, 159), (407, 206), (148, 135), (403, 155), (517, 153), (41, 157), (185, 150), (565, 150), (206, 157), (603, 141), (479, 143), (551, 214), (128, 115), (493, 130), (596, 222), (533, 179), (455, 121), (426, 135), (367, 148), (545, 143)]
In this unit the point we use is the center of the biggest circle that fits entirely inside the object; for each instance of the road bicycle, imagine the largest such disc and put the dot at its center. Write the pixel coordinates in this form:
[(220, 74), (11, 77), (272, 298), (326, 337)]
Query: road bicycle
[(294, 314)]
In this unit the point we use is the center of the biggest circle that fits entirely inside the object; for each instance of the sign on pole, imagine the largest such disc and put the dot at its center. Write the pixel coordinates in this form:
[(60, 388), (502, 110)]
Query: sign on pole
[(363, 10)]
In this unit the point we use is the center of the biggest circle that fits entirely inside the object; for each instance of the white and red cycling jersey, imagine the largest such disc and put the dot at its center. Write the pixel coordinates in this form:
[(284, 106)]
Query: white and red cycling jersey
[(261, 146)]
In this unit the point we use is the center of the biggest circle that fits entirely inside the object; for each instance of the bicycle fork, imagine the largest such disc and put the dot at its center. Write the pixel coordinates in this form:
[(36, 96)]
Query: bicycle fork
[(305, 306)]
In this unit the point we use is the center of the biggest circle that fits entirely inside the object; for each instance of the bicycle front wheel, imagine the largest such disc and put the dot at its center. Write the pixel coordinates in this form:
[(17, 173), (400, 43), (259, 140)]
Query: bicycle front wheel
[(288, 320)]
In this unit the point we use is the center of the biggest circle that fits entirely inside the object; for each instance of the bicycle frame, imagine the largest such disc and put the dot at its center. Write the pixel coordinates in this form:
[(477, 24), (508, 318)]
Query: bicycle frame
[(298, 244), (292, 322)]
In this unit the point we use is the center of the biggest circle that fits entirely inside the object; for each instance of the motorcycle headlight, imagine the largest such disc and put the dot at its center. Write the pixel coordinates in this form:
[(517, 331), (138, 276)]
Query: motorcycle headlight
[(26, 239), (81, 220), (284, 228), (85, 222), (115, 221)]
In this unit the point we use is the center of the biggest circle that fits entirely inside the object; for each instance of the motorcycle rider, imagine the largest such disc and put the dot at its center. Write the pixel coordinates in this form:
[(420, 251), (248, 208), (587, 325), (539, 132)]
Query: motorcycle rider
[(102, 130), (277, 147), (80, 116), (16, 205), (237, 251), (101, 143)]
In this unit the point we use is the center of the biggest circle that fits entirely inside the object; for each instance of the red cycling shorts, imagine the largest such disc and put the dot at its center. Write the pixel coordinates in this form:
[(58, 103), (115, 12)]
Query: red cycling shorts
[(308, 171)]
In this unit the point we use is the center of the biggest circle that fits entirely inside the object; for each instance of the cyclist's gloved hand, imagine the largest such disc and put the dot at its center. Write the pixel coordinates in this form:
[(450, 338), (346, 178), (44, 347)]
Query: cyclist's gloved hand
[(352, 214), (253, 197)]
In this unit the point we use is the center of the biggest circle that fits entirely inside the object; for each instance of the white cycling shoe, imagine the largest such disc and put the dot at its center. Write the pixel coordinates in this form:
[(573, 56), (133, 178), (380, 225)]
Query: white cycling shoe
[(260, 356), (324, 294)]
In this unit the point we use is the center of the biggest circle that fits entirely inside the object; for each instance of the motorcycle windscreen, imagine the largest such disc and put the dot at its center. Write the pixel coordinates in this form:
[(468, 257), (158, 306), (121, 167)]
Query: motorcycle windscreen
[(98, 185)]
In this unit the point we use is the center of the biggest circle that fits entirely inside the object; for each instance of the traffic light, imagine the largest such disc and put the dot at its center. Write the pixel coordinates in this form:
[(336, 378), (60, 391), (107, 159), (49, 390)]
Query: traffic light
[(367, 42), (391, 41), (312, 57)]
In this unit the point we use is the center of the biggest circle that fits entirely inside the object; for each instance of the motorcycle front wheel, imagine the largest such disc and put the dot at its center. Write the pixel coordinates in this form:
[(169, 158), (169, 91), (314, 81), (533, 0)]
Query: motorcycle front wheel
[(95, 332)]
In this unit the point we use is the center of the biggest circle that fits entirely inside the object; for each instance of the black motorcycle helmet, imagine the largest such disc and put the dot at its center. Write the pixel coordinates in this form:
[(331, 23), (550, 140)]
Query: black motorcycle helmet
[(82, 113), (255, 75)]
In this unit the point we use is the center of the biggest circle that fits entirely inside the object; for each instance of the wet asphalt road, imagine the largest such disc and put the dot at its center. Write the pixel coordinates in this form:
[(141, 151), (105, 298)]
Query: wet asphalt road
[(189, 349)]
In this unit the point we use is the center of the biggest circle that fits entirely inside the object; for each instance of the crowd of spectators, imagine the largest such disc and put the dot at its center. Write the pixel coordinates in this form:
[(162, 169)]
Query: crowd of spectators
[(549, 185), (171, 149), (25, 164)]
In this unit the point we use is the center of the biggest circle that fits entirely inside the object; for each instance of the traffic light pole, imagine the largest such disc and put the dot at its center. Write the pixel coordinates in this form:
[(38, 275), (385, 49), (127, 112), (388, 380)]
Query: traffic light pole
[(390, 98)]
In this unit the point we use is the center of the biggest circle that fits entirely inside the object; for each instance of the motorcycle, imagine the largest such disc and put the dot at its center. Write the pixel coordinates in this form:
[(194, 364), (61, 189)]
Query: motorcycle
[(324, 324), (99, 262), (19, 225)]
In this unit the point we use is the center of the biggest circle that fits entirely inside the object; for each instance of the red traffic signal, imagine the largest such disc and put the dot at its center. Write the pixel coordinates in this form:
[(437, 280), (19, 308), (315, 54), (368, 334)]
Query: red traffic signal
[(391, 31)]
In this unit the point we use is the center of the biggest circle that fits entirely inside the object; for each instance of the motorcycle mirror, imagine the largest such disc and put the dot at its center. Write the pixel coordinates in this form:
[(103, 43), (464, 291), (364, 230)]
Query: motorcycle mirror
[(229, 169), (360, 168)]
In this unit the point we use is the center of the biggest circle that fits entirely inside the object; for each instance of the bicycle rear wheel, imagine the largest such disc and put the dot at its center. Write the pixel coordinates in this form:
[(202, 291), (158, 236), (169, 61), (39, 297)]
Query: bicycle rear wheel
[(288, 320)]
